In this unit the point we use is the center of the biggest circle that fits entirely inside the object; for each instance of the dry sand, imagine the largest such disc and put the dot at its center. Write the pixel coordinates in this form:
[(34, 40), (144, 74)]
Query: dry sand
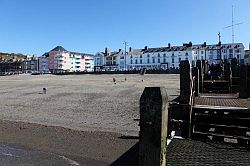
[(86, 118), (83, 102)]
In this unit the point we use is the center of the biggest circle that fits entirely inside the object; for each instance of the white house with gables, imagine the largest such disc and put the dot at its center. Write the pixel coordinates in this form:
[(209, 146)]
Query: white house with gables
[(168, 57)]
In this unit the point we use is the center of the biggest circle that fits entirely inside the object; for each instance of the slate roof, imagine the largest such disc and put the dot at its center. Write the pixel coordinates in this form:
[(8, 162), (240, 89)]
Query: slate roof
[(59, 49), (194, 47)]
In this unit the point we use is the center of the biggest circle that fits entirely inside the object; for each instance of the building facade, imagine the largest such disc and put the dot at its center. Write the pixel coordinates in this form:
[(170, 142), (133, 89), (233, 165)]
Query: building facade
[(30, 64), (170, 56), (43, 62), (247, 57), (60, 60)]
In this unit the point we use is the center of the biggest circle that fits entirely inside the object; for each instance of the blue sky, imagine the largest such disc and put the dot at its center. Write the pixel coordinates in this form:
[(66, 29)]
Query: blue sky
[(37, 26)]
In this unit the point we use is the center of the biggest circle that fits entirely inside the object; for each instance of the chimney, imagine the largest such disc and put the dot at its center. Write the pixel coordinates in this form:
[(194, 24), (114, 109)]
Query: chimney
[(106, 50), (205, 44), (146, 47), (190, 44), (169, 45), (120, 50), (130, 49)]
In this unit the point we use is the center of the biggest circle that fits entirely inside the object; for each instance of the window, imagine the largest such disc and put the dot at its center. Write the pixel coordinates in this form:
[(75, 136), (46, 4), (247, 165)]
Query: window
[(148, 61), (159, 60), (140, 56), (164, 60), (148, 55), (164, 55), (140, 61), (153, 59), (136, 61), (230, 56), (186, 54), (172, 60), (159, 55), (179, 60), (202, 52), (131, 61), (172, 54), (131, 56)]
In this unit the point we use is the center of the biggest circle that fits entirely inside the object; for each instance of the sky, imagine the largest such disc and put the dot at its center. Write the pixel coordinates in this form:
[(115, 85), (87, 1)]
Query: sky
[(88, 26)]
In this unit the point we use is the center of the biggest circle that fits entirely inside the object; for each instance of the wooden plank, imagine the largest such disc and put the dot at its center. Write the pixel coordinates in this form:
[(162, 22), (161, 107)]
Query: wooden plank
[(220, 107), (221, 135)]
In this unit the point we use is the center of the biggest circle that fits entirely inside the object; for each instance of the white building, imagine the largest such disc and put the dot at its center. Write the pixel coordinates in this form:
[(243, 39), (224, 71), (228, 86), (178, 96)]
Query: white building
[(109, 61), (168, 57), (43, 62), (99, 61), (30, 64), (89, 62), (61, 60)]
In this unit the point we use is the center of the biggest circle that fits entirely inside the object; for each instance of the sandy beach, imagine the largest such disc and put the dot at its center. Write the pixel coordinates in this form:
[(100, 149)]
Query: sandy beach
[(87, 118)]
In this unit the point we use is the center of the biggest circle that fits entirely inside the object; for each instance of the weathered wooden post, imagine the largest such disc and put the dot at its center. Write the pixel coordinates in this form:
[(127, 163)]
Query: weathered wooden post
[(153, 127), (235, 76), (248, 79), (185, 82), (243, 82), (186, 96), (201, 71), (234, 66), (195, 73)]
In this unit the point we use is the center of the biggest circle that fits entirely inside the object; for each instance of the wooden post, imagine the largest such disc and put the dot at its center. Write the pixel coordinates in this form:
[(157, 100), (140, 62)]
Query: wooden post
[(153, 127), (195, 73), (234, 67), (201, 70), (243, 82), (185, 82), (186, 96), (248, 79)]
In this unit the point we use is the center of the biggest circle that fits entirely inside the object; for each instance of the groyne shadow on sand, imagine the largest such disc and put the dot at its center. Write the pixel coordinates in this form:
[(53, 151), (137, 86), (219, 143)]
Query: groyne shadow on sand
[(129, 158)]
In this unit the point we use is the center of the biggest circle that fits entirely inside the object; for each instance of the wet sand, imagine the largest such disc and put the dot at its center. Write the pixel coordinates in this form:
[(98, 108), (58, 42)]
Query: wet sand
[(26, 143)]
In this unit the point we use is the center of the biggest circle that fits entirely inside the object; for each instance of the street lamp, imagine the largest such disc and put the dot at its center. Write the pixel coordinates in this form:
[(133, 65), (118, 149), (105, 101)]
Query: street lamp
[(125, 44)]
